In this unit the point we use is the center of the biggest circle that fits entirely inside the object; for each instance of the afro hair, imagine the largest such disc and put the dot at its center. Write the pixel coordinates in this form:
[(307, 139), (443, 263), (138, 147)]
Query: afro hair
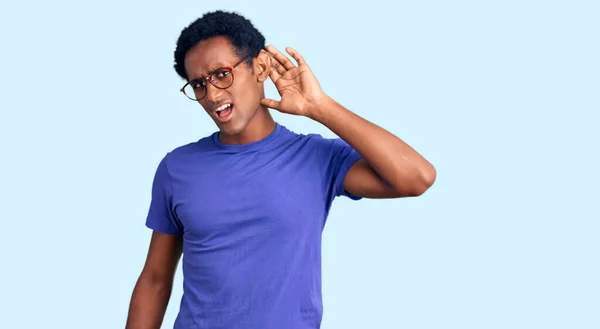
[(242, 34)]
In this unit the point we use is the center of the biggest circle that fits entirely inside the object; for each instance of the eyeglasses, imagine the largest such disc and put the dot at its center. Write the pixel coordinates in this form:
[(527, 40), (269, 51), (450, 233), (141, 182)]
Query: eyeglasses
[(221, 78)]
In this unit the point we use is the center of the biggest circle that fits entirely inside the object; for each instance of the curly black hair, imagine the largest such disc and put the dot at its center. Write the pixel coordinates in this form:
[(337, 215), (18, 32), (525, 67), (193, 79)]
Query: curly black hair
[(242, 34)]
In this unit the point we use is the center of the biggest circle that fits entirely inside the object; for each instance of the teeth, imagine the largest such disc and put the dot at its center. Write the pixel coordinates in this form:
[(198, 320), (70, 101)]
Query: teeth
[(223, 107)]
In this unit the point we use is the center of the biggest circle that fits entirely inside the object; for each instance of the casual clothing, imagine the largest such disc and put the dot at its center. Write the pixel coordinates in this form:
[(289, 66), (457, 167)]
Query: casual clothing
[(251, 217)]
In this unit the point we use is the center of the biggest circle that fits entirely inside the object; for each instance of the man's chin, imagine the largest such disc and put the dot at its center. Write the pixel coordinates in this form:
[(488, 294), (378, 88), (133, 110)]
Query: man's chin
[(230, 128)]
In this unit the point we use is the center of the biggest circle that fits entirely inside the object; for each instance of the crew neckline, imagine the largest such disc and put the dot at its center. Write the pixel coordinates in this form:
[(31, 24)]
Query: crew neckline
[(249, 146)]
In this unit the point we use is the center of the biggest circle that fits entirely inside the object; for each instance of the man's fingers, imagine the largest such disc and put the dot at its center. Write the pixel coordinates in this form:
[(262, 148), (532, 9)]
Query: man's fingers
[(281, 58), (280, 69), (274, 74), (296, 55), (270, 103)]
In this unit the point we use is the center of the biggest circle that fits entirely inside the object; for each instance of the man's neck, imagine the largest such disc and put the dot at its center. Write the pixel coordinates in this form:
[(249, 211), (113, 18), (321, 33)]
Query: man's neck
[(259, 127)]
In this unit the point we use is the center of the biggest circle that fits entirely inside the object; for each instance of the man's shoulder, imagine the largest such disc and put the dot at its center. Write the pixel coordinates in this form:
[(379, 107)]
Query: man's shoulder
[(302, 136), (317, 140), (194, 148)]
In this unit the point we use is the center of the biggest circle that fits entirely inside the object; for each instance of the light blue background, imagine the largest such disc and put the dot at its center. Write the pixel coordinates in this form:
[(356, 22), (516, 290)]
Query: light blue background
[(501, 96)]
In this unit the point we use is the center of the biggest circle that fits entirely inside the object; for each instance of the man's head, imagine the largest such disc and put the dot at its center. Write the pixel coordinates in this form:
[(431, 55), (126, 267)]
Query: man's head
[(206, 55)]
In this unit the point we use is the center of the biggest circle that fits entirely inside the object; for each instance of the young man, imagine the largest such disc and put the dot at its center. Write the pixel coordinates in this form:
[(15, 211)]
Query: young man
[(246, 205)]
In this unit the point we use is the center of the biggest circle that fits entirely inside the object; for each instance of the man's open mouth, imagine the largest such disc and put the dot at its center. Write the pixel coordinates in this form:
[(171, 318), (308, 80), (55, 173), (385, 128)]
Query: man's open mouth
[(224, 111)]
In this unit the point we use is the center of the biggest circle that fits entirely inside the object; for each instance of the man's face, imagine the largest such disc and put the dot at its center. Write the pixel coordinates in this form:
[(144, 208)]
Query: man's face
[(244, 94)]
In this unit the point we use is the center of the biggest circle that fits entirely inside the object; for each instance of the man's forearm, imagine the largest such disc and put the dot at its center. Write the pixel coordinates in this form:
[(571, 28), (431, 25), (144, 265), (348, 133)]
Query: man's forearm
[(393, 160), (148, 304)]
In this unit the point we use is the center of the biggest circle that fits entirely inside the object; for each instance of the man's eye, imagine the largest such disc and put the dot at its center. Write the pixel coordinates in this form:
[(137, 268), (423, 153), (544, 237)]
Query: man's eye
[(221, 74), (199, 84)]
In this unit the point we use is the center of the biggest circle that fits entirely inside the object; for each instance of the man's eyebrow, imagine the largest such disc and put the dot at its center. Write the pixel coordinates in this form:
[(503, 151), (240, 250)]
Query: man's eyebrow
[(217, 67)]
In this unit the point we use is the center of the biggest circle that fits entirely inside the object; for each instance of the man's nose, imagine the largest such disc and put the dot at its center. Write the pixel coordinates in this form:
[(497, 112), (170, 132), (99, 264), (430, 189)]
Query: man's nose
[(213, 93)]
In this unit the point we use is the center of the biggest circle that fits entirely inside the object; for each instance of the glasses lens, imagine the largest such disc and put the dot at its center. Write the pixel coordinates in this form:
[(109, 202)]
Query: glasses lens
[(222, 78), (194, 92)]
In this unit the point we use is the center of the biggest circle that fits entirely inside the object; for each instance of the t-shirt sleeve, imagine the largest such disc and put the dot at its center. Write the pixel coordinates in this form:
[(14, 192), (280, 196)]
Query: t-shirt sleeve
[(335, 159), (161, 215)]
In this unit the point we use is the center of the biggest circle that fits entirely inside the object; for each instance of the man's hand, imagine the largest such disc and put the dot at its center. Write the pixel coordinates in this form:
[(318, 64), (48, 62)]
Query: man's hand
[(298, 87), (389, 168)]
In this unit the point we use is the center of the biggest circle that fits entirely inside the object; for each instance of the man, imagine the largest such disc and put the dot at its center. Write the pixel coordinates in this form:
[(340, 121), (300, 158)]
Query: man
[(246, 205)]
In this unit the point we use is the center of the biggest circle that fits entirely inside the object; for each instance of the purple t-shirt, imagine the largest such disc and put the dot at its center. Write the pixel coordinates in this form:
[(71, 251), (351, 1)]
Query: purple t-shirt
[(251, 217)]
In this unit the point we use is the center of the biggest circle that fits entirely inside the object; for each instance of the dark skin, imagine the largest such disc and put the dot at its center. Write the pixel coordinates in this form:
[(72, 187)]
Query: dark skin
[(251, 121), (153, 288), (389, 168)]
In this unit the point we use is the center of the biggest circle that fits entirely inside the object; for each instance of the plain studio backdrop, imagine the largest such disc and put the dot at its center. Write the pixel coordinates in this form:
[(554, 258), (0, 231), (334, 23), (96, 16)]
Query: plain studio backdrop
[(501, 96)]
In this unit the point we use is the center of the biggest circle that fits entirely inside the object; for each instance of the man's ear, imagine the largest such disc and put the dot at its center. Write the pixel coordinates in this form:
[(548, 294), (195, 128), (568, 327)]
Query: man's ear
[(262, 65)]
